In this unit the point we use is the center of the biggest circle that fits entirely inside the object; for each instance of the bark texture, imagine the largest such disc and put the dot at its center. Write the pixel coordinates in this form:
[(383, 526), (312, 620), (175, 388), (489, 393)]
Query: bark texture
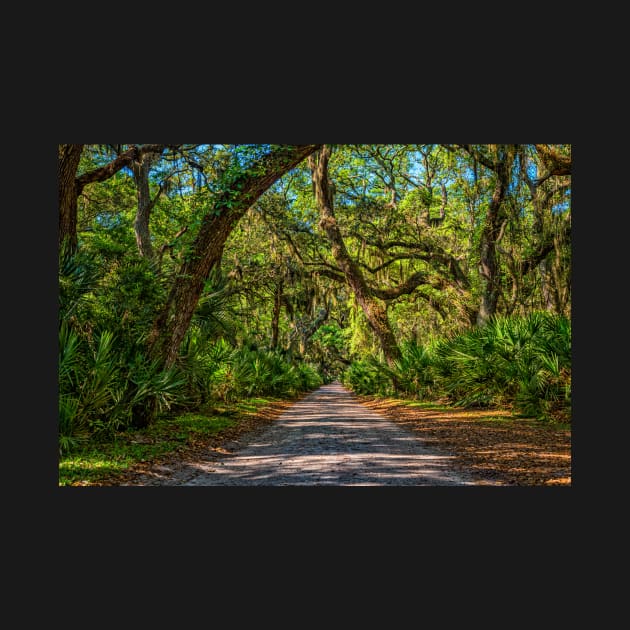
[(277, 309), (501, 164), (549, 239), (67, 166), (141, 168)]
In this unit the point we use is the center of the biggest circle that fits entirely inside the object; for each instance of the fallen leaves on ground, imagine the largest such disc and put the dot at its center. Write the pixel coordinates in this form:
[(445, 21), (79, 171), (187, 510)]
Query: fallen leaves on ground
[(488, 443)]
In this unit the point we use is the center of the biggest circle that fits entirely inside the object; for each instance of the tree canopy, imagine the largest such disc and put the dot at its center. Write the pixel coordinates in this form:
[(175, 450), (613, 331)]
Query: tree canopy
[(319, 255)]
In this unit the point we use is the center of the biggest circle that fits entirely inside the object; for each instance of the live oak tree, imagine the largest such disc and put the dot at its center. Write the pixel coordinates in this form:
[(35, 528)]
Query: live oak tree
[(146, 203), (71, 186), (303, 300), (397, 256), (506, 211), (366, 296), (499, 158), (241, 187), (549, 186)]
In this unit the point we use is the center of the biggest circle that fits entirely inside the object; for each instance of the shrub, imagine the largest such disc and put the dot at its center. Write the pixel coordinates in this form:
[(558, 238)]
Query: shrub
[(524, 362), (368, 377)]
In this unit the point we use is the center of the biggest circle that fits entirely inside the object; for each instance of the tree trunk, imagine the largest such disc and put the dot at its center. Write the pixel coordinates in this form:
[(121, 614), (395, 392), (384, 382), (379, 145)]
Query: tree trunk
[(374, 311), (140, 168), (277, 308), (488, 260), (542, 202), (225, 212), (172, 323), (561, 281), (69, 156), (71, 186), (547, 297)]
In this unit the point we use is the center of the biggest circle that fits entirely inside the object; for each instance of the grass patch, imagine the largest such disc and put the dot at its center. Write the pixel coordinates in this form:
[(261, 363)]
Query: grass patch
[(261, 401), (555, 426), (533, 422), (426, 405), (170, 434), (251, 405), (100, 461), (189, 424)]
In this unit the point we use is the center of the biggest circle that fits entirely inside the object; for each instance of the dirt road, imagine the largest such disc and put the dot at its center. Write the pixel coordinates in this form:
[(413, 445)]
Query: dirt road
[(327, 438)]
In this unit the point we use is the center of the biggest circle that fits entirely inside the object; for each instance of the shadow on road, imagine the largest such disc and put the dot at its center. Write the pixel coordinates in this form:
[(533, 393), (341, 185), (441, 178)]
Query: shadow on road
[(328, 438)]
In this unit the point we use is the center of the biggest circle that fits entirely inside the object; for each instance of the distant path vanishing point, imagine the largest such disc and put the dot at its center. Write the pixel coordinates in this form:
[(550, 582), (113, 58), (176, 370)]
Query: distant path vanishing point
[(329, 439)]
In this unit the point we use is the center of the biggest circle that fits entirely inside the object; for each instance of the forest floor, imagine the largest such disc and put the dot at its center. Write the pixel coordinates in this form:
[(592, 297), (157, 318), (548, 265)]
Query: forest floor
[(490, 444), (485, 447)]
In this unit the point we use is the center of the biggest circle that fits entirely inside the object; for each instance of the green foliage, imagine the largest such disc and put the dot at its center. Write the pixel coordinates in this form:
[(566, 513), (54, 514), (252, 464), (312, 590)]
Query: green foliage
[(128, 298), (149, 381), (78, 277), (109, 296), (524, 361), (99, 386), (87, 384), (520, 362), (368, 377), (246, 373), (413, 372), (546, 391), (199, 360), (103, 374), (330, 336)]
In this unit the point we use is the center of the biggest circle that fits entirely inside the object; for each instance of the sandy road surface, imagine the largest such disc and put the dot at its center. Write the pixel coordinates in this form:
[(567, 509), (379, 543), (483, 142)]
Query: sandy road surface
[(328, 438)]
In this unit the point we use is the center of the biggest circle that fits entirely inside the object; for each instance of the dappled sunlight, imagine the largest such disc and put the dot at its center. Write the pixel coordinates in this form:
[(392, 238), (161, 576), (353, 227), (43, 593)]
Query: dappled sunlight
[(80, 471), (329, 439), (553, 456), (336, 468), (520, 451), (203, 287)]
